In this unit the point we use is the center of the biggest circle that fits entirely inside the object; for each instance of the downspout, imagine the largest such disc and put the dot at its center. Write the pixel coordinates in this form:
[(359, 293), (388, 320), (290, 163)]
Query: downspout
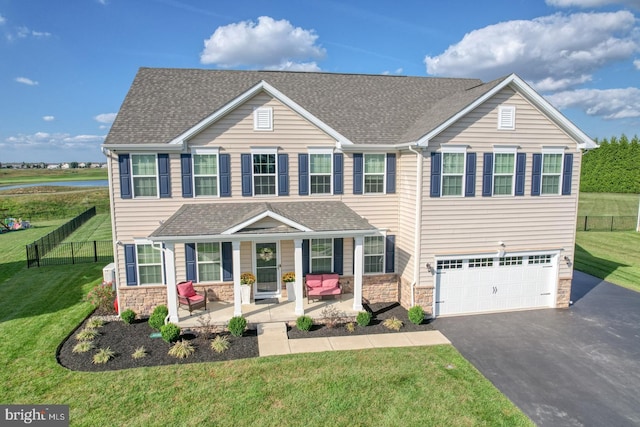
[(418, 224)]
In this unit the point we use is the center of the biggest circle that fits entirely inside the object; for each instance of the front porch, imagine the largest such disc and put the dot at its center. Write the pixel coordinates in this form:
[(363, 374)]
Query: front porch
[(219, 312)]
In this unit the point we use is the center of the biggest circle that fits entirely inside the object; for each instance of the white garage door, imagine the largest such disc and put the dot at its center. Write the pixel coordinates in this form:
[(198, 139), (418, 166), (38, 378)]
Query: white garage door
[(475, 285)]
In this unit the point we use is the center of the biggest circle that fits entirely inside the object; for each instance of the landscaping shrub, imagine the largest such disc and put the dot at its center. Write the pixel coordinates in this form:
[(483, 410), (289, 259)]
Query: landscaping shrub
[(128, 316), (304, 323), (170, 332), (101, 297), (182, 349), (237, 325), (416, 315), (139, 353), (351, 327), (103, 356), (156, 321), (332, 316), (95, 323), (87, 334), (83, 347), (363, 318), (220, 344), (393, 323)]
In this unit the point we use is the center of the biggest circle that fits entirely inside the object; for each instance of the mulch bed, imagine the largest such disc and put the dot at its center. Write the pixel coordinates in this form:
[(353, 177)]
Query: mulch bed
[(124, 339), (379, 311)]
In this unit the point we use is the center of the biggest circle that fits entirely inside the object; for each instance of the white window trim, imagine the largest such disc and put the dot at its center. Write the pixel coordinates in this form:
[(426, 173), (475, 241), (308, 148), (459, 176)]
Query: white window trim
[(312, 151), (157, 177), (142, 242), (256, 119), (311, 257), (505, 150), (205, 151), (552, 150), (198, 263), (384, 255), (454, 150), (264, 150), (503, 122), (364, 173)]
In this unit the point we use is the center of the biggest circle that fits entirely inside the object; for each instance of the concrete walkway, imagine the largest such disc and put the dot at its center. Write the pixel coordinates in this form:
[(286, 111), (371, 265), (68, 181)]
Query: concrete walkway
[(273, 340)]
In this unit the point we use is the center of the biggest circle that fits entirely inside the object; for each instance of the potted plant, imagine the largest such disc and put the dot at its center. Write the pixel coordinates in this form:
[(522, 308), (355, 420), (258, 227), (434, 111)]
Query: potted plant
[(246, 282), (289, 279)]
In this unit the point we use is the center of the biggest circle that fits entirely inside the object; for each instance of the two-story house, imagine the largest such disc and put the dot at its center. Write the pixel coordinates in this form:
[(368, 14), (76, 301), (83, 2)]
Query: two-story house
[(453, 194)]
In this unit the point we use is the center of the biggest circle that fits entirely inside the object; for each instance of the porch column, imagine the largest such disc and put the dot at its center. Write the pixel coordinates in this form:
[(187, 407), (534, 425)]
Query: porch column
[(357, 273), (237, 301), (172, 292), (297, 243)]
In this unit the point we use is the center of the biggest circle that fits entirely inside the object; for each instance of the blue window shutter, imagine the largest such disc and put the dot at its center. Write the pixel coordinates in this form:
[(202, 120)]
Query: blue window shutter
[(390, 254), (245, 164), (187, 181), (338, 173), (305, 257), (567, 171), (225, 175), (190, 257), (436, 167), (391, 173), (487, 175), (521, 167), (338, 256), (164, 174), (130, 265), (303, 174), (358, 173), (470, 176), (125, 176), (283, 174), (227, 261), (536, 177)]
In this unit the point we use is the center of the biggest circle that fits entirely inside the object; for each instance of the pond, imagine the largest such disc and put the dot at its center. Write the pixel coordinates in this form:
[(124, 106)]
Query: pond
[(93, 183)]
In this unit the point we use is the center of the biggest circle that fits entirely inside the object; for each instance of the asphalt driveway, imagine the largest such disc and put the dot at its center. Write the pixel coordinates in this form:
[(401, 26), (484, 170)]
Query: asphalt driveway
[(562, 367)]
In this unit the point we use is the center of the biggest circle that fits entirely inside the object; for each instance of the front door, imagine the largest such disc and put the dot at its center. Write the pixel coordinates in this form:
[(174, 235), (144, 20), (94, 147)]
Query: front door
[(267, 280)]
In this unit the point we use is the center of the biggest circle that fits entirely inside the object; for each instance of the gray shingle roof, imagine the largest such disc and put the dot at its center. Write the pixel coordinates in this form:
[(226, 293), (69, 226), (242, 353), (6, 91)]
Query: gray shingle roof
[(214, 218), (162, 103)]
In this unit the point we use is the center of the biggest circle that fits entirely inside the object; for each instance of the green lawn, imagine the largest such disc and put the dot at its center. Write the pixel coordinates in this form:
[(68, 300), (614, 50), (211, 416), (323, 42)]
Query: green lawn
[(608, 204), (381, 387), (97, 228), (22, 176)]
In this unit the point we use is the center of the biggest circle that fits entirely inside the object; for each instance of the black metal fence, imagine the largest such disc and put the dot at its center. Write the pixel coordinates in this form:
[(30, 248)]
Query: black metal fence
[(49, 250), (71, 253), (607, 223)]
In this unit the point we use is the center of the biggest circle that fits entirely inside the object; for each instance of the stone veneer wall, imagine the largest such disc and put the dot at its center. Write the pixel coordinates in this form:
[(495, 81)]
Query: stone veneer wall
[(142, 299), (564, 293), (423, 296), (378, 288)]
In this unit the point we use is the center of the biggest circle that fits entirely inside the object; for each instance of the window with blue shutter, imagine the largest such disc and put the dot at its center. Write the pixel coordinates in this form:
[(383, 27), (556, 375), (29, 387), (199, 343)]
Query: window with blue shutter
[(470, 176), (390, 254), (227, 261), (521, 167), (125, 176), (358, 179), (225, 175), (190, 257), (536, 177), (245, 165), (283, 174), (131, 269), (164, 174), (338, 256), (567, 171), (436, 171), (306, 257), (338, 173), (186, 171), (487, 175), (391, 173), (303, 174)]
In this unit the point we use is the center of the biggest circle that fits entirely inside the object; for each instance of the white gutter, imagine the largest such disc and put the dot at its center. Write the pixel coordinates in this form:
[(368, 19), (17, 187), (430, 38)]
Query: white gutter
[(242, 237), (418, 224), (163, 148)]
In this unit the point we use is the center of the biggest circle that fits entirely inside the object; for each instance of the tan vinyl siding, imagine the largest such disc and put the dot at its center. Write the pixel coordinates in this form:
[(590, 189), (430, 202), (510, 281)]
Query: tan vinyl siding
[(405, 239), (475, 225)]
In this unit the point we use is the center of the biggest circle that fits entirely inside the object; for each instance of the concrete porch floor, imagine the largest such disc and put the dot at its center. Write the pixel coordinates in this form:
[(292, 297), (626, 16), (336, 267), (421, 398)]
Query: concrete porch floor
[(219, 312)]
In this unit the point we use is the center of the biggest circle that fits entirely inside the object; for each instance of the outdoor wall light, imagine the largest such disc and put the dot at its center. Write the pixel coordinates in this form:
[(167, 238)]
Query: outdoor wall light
[(501, 251), (119, 243), (430, 268)]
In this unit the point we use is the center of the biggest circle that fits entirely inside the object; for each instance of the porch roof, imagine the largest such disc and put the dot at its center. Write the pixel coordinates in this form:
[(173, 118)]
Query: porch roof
[(243, 221)]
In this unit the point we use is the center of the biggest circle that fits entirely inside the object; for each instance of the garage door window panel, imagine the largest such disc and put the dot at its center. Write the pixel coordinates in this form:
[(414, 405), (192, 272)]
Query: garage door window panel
[(511, 260)]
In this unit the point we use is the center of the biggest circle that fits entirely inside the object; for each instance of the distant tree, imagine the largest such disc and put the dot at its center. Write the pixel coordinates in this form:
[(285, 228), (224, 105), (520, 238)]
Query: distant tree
[(73, 165)]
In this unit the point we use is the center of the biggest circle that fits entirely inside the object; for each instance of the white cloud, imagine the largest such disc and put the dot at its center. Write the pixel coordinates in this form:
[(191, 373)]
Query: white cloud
[(268, 43), (636, 64), (606, 103), (24, 32), (551, 51), (103, 2), (54, 140), (388, 73), (48, 118), (592, 3), (26, 81), (106, 118), (2, 20)]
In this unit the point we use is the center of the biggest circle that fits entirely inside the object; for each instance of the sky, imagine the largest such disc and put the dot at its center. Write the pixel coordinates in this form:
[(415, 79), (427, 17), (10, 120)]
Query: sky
[(66, 66)]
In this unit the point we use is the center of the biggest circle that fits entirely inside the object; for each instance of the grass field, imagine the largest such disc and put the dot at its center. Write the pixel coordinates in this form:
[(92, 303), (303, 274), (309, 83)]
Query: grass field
[(381, 387), (23, 176)]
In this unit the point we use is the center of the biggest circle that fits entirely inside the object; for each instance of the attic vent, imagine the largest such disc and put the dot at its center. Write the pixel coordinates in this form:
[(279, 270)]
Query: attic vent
[(263, 118), (507, 117)]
